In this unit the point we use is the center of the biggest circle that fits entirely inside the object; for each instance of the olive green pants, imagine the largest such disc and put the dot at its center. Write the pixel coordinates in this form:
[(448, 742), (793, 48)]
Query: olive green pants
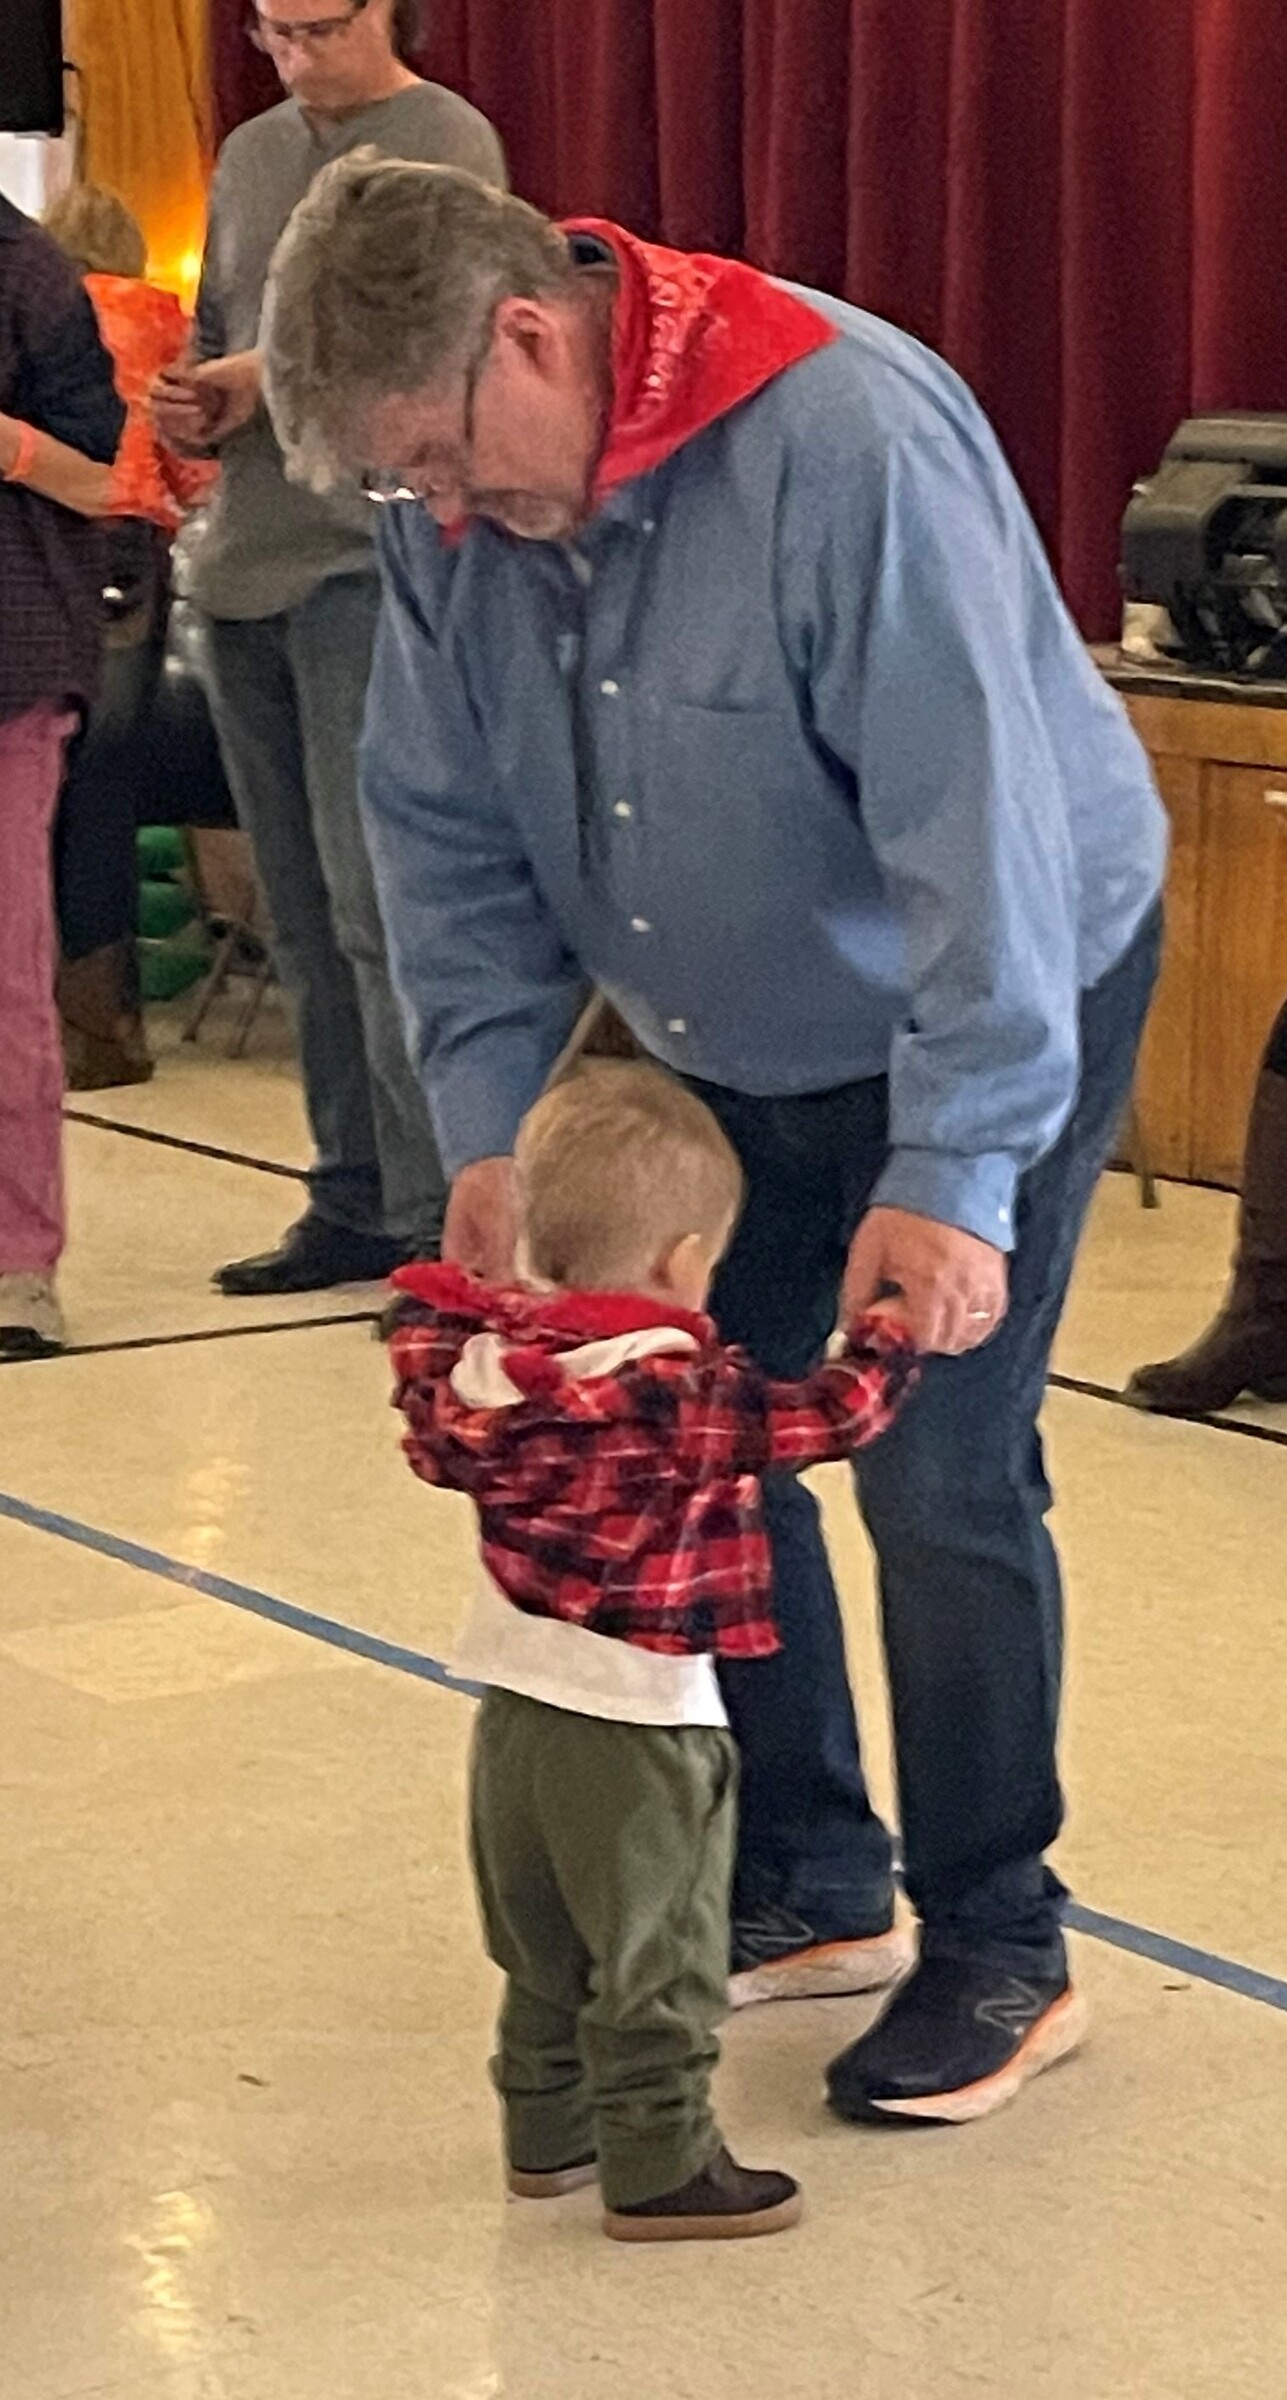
[(604, 1855)]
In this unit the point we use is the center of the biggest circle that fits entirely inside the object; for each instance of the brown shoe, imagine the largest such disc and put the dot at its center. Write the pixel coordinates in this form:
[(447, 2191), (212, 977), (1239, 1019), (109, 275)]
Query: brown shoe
[(103, 1038), (94, 1063), (554, 2185), (725, 2203), (1245, 1350)]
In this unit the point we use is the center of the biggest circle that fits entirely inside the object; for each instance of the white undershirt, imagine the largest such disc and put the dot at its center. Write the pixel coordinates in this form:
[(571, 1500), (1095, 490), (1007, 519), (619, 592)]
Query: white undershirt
[(542, 1658), (586, 1673)]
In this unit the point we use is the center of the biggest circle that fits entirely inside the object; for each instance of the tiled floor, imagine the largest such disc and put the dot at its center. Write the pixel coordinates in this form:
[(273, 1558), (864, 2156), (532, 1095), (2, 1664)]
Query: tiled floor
[(246, 2144)]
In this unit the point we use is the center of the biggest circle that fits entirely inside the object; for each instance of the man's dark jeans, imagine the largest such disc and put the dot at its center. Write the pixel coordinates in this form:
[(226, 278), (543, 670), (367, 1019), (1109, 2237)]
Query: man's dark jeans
[(956, 1500)]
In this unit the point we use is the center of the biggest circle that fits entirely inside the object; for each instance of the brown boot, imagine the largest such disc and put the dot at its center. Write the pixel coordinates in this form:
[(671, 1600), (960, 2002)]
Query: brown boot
[(725, 2203), (1245, 1350), (103, 1039)]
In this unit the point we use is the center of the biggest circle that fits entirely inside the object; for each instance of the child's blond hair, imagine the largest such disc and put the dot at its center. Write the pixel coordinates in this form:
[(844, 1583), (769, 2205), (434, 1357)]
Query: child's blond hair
[(617, 1165), (97, 230)]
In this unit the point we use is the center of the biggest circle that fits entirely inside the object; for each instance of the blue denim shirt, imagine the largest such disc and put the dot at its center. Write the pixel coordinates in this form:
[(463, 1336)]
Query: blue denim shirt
[(796, 754)]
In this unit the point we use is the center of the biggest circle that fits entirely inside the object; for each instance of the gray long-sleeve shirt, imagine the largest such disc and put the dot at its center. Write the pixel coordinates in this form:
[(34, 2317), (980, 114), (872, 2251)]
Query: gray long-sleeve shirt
[(268, 542)]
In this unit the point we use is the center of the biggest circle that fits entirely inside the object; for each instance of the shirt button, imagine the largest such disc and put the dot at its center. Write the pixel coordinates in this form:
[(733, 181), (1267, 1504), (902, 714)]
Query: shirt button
[(677, 1025), (610, 689), (650, 524), (640, 925), (623, 809)]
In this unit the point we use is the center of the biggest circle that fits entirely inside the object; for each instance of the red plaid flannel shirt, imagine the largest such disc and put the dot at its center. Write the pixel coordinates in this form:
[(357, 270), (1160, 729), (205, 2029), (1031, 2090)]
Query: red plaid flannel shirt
[(625, 1500)]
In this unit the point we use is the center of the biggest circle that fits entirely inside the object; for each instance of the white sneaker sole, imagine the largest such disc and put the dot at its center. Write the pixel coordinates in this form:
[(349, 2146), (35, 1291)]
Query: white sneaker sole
[(29, 1310), (835, 1971), (558, 2186), (1056, 2035)]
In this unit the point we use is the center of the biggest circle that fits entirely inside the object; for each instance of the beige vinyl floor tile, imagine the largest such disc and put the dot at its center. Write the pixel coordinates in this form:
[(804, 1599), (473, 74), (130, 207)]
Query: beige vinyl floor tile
[(247, 2148), (252, 1104)]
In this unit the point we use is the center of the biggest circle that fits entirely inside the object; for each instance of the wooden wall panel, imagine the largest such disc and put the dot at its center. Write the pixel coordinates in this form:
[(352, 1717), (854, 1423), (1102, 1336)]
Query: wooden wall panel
[(1242, 955), (1168, 1061)]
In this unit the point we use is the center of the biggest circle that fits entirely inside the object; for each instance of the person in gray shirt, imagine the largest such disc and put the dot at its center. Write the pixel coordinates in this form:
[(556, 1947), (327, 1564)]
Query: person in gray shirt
[(288, 592)]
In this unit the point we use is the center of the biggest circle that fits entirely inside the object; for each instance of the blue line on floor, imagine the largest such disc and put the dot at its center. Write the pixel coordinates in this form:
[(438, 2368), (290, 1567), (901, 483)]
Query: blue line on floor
[(1203, 1966), (235, 1595)]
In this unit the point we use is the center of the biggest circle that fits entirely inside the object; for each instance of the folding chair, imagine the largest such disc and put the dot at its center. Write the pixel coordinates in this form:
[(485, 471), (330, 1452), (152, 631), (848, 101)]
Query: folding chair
[(232, 902)]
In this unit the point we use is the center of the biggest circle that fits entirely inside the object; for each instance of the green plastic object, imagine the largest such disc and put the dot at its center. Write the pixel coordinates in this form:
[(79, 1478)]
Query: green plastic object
[(168, 968), (164, 908), (161, 850)]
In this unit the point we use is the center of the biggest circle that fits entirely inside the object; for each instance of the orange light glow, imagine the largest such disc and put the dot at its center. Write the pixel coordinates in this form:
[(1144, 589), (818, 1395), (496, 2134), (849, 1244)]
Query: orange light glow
[(144, 90)]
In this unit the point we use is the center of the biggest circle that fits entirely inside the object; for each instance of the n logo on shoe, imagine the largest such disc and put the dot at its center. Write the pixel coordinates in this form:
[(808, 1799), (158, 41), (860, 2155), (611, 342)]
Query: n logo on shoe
[(1013, 2011)]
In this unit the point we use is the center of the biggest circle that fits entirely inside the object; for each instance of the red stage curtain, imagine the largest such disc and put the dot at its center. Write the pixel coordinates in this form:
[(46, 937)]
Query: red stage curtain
[(1083, 203)]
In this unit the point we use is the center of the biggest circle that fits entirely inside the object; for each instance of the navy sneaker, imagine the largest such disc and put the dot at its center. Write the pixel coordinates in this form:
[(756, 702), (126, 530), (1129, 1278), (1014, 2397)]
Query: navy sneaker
[(777, 1955), (957, 2042)]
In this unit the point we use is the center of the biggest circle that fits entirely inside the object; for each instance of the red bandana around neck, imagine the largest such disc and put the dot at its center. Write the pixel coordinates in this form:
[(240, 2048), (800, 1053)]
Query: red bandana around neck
[(693, 337)]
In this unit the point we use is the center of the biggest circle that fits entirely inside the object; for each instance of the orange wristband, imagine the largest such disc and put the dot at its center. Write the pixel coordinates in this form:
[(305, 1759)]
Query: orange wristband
[(25, 460)]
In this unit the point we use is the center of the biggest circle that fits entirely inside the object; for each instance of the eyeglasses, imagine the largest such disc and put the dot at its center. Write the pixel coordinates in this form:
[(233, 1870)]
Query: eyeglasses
[(276, 33), (419, 483)]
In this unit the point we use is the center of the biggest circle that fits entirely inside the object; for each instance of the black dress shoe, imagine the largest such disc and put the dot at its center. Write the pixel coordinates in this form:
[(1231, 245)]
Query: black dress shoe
[(312, 1257), (956, 2042)]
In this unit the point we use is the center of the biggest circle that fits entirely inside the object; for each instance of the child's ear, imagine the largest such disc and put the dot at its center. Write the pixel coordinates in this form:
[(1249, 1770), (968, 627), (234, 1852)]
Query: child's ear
[(683, 1267)]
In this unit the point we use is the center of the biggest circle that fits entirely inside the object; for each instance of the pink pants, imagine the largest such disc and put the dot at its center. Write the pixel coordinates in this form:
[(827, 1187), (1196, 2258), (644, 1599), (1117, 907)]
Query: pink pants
[(31, 1067)]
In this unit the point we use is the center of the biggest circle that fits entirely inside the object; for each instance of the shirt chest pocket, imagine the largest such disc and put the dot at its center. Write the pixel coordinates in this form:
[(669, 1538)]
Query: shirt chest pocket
[(726, 787)]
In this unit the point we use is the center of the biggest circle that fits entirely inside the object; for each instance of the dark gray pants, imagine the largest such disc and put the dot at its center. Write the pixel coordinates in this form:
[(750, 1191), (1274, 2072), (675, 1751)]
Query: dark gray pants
[(287, 694)]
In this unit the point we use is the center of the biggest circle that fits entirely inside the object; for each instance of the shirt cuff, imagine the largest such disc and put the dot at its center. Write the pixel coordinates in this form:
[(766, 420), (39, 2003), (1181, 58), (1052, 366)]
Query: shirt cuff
[(977, 1195), (479, 1098)]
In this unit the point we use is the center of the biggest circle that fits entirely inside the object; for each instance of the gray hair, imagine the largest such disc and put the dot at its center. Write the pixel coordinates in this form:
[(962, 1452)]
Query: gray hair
[(387, 279)]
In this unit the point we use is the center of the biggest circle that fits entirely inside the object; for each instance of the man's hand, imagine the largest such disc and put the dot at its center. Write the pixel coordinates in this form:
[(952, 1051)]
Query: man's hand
[(482, 1220), (955, 1288), (194, 408)]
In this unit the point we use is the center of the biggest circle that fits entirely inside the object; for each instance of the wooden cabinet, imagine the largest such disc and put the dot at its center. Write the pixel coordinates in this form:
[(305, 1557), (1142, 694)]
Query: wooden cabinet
[(1166, 1081), (1222, 769)]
